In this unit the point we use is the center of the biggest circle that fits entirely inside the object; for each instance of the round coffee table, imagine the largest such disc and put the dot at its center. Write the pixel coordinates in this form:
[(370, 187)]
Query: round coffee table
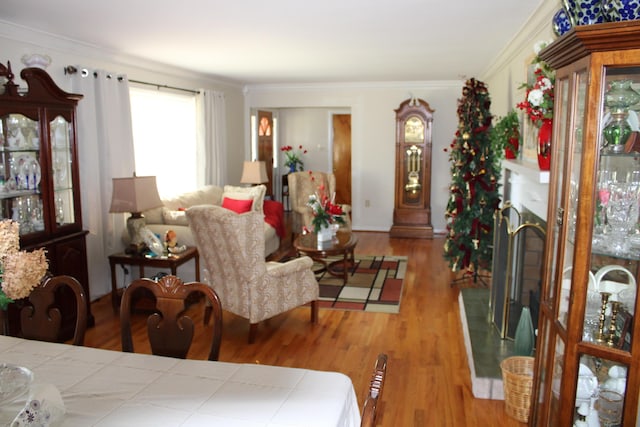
[(343, 244)]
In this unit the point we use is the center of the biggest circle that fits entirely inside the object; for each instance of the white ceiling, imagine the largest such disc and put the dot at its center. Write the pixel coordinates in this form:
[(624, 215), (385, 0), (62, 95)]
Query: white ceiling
[(291, 41)]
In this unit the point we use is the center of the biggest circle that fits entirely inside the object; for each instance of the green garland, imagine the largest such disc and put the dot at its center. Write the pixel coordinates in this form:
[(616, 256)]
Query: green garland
[(475, 173)]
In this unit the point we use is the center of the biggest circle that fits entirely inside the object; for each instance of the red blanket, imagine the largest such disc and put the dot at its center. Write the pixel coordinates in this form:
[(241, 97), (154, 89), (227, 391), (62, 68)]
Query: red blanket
[(274, 216)]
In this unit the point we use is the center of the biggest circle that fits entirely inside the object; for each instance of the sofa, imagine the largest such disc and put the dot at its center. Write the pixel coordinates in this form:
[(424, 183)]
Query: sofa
[(172, 216)]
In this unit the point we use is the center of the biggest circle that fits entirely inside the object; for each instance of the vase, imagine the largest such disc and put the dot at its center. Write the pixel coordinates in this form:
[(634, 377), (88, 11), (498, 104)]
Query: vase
[(561, 22), (621, 10), (618, 99), (292, 168), (584, 12), (511, 148), (544, 145), (525, 338), (324, 233)]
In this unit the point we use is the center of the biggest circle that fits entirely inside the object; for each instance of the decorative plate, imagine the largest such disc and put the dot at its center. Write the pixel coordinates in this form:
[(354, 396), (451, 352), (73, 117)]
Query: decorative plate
[(15, 381)]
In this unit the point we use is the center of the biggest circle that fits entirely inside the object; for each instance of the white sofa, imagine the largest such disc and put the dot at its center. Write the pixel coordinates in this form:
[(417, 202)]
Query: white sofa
[(172, 215)]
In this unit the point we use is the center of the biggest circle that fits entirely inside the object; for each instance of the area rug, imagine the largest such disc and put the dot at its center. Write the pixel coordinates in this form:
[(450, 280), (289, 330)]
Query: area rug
[(375, 285)]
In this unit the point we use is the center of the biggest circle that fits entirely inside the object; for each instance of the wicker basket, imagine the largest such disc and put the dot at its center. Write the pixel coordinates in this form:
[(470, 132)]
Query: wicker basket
[(517, 377)]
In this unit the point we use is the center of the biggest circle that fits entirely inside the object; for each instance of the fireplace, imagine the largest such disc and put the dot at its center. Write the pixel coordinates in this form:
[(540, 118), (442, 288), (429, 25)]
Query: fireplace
[(519, 235)]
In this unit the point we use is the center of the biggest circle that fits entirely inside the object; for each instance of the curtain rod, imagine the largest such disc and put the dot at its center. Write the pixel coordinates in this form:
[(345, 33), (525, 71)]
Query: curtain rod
[(70, 69)]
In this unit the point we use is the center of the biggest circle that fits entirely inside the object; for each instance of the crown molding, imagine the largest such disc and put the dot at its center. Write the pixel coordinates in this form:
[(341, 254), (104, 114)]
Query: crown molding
[(538, 27)]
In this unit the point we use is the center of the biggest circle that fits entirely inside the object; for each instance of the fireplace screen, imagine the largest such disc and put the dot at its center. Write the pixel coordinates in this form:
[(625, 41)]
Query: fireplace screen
[(517, 268)]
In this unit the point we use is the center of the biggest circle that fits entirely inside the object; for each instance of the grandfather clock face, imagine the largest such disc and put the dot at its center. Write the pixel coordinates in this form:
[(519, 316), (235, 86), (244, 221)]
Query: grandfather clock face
[(414, 139)]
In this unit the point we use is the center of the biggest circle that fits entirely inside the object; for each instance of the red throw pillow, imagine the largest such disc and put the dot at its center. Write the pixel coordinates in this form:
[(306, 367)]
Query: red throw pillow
[(238, 206)]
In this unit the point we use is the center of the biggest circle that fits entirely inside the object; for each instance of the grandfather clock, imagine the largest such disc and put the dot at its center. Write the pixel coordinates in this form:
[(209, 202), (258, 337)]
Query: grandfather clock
[(412, 208)]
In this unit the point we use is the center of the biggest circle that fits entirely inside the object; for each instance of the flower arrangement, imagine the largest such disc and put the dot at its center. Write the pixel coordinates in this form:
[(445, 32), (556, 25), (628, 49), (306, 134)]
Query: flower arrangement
[(293, 158), (325, 211), (538, 103), (20, 271)]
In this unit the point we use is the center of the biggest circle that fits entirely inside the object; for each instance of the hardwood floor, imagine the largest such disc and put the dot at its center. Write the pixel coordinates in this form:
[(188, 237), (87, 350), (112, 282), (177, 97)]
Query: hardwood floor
[(428, 380)]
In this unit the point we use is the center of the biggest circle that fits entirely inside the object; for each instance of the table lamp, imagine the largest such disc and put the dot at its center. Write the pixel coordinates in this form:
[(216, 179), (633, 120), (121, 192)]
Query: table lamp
[(135, 194), (254, 173)]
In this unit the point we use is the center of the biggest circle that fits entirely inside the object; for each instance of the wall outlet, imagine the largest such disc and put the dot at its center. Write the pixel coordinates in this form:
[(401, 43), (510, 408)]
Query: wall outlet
[(367, 204)]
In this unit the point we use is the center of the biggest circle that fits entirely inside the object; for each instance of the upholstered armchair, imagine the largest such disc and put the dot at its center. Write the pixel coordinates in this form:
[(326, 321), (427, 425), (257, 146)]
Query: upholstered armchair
[(301, 186), (231, 246)]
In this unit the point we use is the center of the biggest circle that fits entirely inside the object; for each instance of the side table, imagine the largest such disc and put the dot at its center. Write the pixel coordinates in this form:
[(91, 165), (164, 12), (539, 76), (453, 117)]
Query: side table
[(171, 261)]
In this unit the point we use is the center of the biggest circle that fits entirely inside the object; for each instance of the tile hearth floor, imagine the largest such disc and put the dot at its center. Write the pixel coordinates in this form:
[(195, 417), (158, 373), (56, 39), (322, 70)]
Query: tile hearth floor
[(485, 348)]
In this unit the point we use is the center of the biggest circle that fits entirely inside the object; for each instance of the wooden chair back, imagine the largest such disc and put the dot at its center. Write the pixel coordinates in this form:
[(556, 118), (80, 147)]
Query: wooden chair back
[(170, 331), (42, 319), (374, 393)]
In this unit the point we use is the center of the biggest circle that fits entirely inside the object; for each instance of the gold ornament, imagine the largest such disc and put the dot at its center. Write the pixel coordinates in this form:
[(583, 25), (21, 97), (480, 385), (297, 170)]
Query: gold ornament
[(466, 136)]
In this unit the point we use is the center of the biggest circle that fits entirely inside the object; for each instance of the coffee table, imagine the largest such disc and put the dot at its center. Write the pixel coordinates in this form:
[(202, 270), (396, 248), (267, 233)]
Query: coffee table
[(343, 244)]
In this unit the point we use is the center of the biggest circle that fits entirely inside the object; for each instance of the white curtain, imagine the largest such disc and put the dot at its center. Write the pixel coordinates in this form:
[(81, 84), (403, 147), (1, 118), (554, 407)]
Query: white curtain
[(212, 137), (105, 149)]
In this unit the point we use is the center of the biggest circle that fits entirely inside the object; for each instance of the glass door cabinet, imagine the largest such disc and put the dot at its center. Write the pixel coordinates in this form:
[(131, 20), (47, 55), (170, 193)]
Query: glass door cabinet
[(39, 176), (588, 350)]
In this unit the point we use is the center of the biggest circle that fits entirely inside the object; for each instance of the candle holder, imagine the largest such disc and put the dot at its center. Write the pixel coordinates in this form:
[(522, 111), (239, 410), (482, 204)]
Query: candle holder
[(601, 336), (612, 339)]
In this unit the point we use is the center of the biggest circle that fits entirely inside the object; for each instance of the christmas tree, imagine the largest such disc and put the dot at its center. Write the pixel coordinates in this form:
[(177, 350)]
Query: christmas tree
[(475, 173)]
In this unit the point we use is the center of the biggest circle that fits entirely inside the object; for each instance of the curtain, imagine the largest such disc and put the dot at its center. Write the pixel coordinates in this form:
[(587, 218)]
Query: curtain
[(105, 150), (212, 137)]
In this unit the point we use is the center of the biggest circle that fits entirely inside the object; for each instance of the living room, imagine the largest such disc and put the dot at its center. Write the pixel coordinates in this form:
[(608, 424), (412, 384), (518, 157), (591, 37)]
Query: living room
[(371, 106)]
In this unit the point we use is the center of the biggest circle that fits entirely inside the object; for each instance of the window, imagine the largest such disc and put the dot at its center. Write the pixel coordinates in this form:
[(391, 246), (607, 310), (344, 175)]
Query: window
[(164, 138)]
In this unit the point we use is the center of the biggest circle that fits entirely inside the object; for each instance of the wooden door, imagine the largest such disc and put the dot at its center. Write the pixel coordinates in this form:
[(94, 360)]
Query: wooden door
[(265, 145), (342, 156)]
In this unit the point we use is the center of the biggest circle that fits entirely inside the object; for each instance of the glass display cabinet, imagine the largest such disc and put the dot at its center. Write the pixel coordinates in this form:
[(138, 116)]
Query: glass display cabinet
[(39, 176), (588, 351)]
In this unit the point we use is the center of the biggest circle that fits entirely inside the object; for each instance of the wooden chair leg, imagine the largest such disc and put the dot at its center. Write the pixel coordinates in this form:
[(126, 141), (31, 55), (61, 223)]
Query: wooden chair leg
[(314, 311), (253, 331)]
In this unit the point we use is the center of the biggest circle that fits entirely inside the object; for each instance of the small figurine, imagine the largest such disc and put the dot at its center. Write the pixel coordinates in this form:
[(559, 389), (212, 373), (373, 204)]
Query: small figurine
[(170, 238)]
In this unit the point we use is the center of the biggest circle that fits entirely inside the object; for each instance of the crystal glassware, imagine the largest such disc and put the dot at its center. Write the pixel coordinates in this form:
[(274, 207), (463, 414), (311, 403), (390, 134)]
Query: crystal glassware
[(622, 214)]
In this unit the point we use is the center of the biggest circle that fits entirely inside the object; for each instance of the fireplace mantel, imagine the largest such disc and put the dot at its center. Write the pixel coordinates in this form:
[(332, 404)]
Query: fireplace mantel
[(525, 186)]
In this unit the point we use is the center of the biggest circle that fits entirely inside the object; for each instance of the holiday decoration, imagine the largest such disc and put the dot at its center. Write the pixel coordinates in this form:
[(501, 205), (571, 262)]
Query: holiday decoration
[(475, 172)]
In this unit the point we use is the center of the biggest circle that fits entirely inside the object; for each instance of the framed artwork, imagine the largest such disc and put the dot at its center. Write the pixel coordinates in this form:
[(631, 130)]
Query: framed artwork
[(529, 131)]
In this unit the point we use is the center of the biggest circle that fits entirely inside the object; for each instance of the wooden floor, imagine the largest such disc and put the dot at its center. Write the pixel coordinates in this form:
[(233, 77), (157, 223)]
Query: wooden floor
[(428, 377)]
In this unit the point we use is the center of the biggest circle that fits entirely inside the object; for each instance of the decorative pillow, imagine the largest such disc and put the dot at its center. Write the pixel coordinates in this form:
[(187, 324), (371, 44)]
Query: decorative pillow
[(255, 193), (238, 206), (174, 217)]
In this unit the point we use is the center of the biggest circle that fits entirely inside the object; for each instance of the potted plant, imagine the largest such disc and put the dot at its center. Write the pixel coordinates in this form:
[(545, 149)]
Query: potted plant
[(506, 134)]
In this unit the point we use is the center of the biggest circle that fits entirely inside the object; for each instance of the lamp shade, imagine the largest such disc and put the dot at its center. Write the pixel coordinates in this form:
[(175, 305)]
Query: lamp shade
[(254, 173), (134, 194)]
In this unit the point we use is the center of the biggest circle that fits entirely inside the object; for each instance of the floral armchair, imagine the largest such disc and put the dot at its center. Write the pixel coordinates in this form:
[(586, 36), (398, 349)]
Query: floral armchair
[(304, 184), (232, 248)]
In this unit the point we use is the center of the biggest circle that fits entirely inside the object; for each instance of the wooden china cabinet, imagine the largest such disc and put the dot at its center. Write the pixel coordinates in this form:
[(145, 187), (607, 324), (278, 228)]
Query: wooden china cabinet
[(588, 349), (39, 177)]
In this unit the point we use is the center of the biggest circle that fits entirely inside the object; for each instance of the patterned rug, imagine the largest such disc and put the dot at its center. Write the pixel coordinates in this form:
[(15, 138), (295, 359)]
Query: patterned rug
[(375, 284)]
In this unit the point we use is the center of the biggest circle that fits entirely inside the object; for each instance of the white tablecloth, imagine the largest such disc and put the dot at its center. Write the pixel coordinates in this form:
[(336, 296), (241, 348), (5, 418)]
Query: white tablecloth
[(110, 388)]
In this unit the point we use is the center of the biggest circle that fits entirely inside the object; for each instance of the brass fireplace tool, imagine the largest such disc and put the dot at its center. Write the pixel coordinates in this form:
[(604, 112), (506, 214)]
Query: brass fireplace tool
[(609, 337)]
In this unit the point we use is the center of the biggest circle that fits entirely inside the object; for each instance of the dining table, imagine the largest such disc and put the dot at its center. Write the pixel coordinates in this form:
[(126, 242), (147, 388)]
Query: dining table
[(111, 388)]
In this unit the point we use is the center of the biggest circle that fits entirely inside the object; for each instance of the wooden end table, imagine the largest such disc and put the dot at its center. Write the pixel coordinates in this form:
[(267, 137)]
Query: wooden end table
[(171, 261), (343, 244)]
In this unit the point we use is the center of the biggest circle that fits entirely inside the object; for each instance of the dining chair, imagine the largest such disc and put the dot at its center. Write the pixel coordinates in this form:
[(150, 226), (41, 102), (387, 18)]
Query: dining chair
[(41, 317), (232, 248), (374, 393), (169, 329)]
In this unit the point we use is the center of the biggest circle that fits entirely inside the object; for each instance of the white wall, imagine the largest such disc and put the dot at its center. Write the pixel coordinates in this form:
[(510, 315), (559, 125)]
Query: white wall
[(372, 108), (18, 41)]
